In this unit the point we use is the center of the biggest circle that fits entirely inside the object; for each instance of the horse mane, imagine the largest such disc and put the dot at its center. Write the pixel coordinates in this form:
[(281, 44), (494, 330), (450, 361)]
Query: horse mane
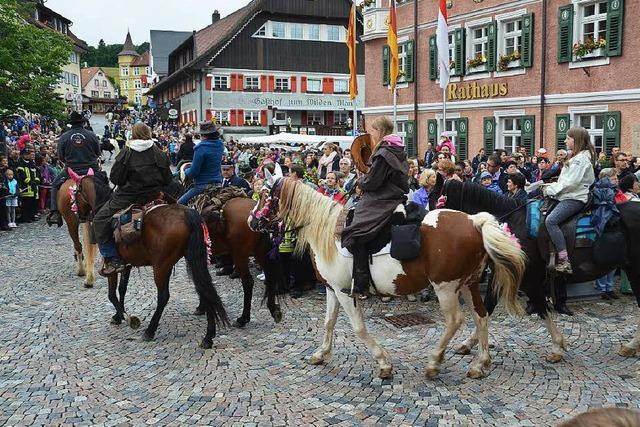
[(480, 199), (313, 213)]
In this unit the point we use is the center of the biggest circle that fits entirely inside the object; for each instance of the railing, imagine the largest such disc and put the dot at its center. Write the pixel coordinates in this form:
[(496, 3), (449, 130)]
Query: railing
[(337, 130)]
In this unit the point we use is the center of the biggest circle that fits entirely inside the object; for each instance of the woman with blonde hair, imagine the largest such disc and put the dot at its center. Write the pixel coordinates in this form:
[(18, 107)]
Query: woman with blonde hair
[(384, 187), (571, 190), (427, 181)]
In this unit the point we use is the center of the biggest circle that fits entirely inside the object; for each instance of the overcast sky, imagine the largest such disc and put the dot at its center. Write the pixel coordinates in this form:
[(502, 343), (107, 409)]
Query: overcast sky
[(109, 19)]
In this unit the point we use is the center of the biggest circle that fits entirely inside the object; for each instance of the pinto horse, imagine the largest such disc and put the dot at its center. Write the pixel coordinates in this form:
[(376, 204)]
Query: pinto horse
[(455, 248), (472, 198), (76, 199), (231, 235)]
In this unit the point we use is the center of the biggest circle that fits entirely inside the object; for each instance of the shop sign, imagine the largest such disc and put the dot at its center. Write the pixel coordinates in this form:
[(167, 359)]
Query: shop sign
[(476, 91)]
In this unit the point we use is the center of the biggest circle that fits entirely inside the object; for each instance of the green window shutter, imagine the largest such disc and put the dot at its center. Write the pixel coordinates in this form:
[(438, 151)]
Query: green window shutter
[(385, 65), (565, 34), (433, 58), (527, 40), (432, 132), (615, 10), (409, 69), (410, 138), (611, 131), (459, 51), (462, 148), (528, 126), (492, 46), (562, 126), (489, 129)]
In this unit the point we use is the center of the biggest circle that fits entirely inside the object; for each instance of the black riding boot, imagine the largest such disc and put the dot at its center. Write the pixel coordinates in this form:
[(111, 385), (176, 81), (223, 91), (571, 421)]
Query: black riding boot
[(54, 216), (361, 274)]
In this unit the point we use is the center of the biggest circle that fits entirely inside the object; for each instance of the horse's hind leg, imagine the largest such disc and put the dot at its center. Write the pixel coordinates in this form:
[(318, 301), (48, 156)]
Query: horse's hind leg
[(324, 351), (450, 307), (72, 226), (357, 322), (89, 250), (161, 277), (481, 318), (241, 263), (631, 348)]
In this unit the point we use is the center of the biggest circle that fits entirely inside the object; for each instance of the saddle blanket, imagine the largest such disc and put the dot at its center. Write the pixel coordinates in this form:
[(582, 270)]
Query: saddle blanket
[(584, 229), (345, 252)]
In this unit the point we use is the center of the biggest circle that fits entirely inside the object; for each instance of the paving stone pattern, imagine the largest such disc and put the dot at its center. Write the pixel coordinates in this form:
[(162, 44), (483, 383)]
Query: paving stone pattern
[(62, 363)]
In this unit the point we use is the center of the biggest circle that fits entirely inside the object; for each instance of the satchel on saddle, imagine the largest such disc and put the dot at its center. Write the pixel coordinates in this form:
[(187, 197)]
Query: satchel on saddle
[(127, 224)]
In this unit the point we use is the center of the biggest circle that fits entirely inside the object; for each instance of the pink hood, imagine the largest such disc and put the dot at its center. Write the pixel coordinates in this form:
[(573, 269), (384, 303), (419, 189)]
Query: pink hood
[(393, 139)]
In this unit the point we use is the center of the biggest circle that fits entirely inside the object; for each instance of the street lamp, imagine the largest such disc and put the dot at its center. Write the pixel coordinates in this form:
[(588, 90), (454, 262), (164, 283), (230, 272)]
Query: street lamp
[(211, 97)]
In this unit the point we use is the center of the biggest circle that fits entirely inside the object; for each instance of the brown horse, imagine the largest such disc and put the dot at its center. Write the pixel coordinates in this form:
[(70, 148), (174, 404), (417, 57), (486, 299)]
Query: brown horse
[(83, 189), (169, 233), (454, 249), (231, 235)]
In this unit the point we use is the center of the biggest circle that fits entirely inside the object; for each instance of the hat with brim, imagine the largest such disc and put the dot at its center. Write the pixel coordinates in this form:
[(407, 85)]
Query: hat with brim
[(208, 128), (76, 118)]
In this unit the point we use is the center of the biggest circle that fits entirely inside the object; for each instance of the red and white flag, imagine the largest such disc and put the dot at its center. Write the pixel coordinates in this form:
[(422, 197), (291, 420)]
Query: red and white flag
[(442, 41)]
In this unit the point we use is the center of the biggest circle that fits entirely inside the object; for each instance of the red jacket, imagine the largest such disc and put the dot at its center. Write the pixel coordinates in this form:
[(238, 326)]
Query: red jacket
[(337, 197)]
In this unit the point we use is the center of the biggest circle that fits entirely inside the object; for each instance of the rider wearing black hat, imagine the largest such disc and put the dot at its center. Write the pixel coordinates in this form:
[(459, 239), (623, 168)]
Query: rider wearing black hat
[(78, 149)]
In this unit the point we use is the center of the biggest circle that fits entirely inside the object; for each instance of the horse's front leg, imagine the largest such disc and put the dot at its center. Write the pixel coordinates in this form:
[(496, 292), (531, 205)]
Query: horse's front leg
[(161, 276), (89, 253), (632, 347), (112, 282), (241, 263), (324, 351), (354, 311)]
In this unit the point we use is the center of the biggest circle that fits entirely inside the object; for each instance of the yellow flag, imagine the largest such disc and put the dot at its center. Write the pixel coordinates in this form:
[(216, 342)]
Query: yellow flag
[(351, 44), (392, 41)]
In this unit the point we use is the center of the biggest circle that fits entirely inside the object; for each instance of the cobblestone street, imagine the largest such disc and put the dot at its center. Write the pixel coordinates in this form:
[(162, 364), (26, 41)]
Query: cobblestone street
[(63, 363)]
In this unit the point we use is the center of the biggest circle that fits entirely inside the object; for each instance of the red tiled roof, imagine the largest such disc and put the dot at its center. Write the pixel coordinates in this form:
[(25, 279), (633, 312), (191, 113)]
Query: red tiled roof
[(142, 60), (87, 73), (220, 31)]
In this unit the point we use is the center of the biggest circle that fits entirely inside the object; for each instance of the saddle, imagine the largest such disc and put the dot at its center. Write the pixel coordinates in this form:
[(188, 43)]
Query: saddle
[(127, 224), (400, 237), (215, 197)]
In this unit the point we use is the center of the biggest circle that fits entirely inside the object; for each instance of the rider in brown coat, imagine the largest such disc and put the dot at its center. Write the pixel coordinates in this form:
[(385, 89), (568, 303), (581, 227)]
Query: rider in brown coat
[(384, 187)]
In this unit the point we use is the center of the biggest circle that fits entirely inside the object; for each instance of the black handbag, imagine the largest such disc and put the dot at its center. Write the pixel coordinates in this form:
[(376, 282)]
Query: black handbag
[(405, 241)]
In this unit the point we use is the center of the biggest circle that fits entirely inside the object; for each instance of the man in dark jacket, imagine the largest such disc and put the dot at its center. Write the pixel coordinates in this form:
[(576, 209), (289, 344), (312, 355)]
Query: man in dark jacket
[(384, 187), (78, 149), (230, 179), (185, 152), (140, 170), (205, 169)]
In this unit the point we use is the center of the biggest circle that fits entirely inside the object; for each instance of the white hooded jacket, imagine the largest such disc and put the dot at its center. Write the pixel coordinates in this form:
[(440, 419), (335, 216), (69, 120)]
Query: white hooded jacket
[(575, 179)]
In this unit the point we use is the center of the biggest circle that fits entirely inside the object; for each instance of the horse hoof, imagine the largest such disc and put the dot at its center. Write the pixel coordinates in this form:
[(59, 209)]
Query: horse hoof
[(206, 344), (462, 349), (554, 358), (432, 373), (147, 336), (81, 273), (88, 285), (199, 311), (134, 322), (385, 373), (115, 320), (475, 373), (316, 360), (277, 315), (626, 351), (241, 322)]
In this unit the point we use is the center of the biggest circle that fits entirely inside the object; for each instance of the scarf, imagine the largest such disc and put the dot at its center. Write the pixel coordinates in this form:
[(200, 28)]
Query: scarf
[(327, 160)]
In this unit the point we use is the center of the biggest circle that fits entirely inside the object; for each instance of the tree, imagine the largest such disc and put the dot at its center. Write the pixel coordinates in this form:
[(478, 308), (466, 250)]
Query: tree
[(31, 59)]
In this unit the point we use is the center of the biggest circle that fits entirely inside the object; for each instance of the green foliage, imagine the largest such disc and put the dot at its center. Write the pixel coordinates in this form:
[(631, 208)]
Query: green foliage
[(106, 55), (31, 60)]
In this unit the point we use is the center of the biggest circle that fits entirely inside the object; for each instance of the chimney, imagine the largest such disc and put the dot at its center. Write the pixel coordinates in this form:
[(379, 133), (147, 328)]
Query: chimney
[(215, 16)]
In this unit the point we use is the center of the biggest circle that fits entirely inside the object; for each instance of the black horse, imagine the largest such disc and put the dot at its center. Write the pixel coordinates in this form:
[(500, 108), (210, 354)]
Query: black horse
[(473, 198)]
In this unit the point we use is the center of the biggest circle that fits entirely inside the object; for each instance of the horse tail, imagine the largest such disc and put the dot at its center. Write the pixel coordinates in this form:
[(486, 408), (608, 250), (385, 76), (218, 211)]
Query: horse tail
[(508, 259), (198, 268)]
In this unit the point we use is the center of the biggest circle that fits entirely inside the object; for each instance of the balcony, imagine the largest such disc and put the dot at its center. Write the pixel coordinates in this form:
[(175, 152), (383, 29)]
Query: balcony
[(375, 22), (336, 130)]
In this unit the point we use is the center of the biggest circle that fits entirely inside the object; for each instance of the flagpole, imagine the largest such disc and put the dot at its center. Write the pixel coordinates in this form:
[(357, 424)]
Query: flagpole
[(355, 47), (395, 107), (444, 110)]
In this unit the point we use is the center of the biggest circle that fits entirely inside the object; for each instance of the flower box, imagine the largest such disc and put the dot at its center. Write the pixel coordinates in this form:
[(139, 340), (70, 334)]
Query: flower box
[(504, 61), (586, 48)]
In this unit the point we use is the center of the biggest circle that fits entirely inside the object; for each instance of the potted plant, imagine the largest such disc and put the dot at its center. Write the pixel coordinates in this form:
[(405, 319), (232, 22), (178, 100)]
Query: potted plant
[(505, 60), (587, 47), (477, 61)]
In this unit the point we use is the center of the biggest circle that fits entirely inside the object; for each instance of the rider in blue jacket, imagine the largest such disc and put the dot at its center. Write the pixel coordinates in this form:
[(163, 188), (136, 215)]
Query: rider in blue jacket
[(206, 167)]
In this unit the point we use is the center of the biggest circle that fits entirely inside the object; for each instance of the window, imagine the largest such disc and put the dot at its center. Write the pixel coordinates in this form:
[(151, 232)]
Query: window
[(341, 117), (340, 86), (96, 82), (296, 31), (252, 117), (450, 130), (222, 116), (452, 53), (104, 83), (262, 32), (315, 117), (147, 71), (512, 36), (95, 94), (125, 84), (138, 98), (73, 58), (282, 84), (281, 116), (137, 84), (106, 94), (251, 83), (124, 71), (592, 25), (314, 85), (75, 79), (136, 71), (277, 30), (479, 46), (402, 130), (594, 123), (402, 62), (333, 33), (314, 32), (221, 82), (511, 134)]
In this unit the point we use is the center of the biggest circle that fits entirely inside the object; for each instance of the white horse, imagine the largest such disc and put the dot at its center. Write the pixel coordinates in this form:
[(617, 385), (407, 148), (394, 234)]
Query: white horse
[(455, 248)]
